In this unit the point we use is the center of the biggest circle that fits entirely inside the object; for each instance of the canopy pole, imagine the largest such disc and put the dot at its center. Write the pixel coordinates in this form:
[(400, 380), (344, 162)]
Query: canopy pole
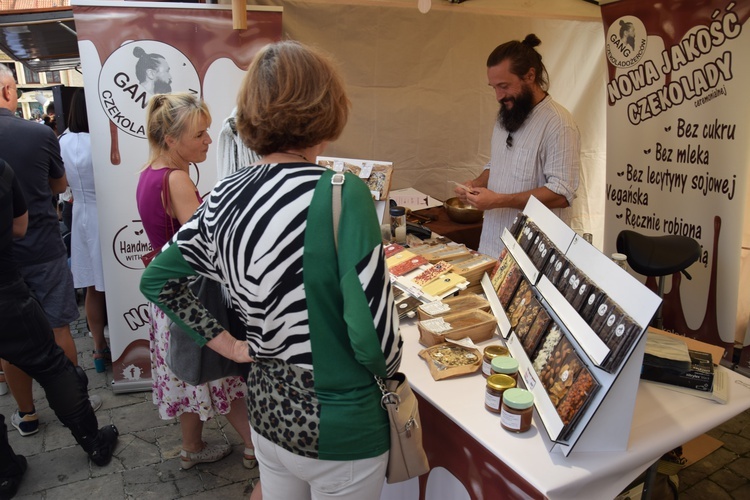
[(239, 14)]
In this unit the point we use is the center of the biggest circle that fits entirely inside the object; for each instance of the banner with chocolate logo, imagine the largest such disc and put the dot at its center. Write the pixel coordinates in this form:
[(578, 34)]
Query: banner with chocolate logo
[(677, 151), (129, 52)]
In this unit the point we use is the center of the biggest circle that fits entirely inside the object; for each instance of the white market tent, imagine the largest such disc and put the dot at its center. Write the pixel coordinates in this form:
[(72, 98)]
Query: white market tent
[(418, 82)]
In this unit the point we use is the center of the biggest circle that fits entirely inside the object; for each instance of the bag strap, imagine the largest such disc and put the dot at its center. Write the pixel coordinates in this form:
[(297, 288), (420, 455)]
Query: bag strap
[(338, 183), (167, 204), (389, 397)]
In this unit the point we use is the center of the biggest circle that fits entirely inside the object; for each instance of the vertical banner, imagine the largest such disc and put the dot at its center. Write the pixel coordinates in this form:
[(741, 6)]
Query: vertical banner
[(198, 52), (678, 150)]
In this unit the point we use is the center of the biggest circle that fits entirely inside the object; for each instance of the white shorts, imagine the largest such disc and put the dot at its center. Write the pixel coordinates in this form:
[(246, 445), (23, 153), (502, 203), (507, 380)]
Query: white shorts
[(285, 476)]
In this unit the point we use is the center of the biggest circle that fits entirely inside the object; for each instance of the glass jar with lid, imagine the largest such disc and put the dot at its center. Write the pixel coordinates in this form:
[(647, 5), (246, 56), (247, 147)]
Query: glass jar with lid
[(398, 224), (497, 384), (621, 260), (491, 352), (506, 366), (516, 410)]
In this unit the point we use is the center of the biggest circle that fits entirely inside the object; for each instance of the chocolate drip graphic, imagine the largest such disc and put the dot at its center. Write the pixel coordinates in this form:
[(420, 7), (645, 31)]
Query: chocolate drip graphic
[(114, 149), (135, 362), (674, 315)]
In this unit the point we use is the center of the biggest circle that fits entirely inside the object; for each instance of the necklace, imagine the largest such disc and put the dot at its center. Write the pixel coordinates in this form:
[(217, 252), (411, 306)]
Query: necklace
[(292, 153)]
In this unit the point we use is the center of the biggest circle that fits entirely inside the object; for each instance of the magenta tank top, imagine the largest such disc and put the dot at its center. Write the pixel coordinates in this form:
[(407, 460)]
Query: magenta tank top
[(159, 227)]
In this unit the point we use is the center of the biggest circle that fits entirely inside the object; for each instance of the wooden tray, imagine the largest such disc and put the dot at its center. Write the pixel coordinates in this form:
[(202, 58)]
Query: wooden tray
[(458, 304), (477, 325)]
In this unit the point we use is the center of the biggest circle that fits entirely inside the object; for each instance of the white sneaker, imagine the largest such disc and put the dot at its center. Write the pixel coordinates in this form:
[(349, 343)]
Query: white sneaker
[(26, 425), (96, 401)]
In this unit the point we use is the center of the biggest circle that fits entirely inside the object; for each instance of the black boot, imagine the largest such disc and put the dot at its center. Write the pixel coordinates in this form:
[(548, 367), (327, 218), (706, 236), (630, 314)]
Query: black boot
[(98, 443), (12, 466)]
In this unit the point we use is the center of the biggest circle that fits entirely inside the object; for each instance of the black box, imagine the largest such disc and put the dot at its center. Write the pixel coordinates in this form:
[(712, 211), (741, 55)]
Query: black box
[(700, 376)]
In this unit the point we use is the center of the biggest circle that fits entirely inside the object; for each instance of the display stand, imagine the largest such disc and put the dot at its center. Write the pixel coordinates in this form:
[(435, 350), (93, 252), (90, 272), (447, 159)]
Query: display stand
[(603, 425)]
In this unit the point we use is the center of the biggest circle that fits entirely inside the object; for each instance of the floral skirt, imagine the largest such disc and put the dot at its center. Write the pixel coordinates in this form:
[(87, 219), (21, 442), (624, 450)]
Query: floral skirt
[(173, 396)]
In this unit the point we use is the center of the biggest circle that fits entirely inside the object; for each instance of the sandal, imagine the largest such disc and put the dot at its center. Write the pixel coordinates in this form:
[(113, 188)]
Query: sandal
[(102, 358), (248, 458), (207, 455)]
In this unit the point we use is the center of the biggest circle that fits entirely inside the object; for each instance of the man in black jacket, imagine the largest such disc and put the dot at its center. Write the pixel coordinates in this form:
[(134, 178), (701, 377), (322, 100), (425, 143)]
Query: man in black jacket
[(26, 340)]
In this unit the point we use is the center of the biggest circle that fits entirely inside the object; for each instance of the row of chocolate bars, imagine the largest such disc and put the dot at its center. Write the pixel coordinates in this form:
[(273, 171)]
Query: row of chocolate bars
[(569, 384), (603, 315)]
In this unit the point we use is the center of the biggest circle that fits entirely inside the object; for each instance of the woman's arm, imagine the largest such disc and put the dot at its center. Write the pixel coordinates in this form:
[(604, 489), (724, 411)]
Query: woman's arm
[(166, 283), (183, 199)]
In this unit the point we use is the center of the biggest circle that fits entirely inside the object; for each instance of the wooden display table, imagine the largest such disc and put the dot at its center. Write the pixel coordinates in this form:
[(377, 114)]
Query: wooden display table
[(468, 234)]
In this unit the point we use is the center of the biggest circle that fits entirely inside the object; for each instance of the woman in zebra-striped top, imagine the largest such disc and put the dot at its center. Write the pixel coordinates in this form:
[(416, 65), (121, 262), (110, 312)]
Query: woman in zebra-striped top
[(320, 323)]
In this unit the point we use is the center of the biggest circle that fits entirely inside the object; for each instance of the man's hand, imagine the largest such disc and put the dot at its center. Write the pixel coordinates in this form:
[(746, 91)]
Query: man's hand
[(461, 190), (483, 199)]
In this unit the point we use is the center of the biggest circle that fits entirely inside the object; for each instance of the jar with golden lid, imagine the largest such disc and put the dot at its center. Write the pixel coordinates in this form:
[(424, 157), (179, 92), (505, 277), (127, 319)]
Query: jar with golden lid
[(496, 385), (516, 410), (490, 353), (505, 365)]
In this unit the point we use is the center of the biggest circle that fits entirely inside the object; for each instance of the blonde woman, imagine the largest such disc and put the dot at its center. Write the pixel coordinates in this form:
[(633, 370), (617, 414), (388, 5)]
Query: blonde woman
[(177, 131)]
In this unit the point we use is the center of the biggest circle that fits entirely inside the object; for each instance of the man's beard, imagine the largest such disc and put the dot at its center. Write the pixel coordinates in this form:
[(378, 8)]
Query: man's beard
[(512, 119), (161, 87)]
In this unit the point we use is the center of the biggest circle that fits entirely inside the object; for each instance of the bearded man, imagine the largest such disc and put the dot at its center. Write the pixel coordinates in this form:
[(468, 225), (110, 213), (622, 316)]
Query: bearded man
[(536, 145)]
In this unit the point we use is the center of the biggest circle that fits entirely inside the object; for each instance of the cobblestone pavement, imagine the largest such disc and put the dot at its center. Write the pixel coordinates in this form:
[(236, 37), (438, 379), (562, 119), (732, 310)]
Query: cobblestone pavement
[(725, 473), (146, 462)]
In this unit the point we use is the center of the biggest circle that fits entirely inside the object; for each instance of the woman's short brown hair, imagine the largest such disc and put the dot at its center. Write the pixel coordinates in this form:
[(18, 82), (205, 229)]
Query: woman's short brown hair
[(292, 97)]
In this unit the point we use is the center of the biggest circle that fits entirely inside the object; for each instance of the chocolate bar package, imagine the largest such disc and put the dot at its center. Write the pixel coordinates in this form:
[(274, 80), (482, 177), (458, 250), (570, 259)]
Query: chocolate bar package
[(523, 294), (625, 334), (407, 305), (614, 328), (548, 344), (432, 273), (590, 304), (504, 264), (528, 236), (564, 378), (524, 229), (562, 282), (392, 249), (556, 362), (535, 244), (603, 310), (442, 284), (554, 268), (575, 278), (580, 393), (539, 252), (581, 294), (517, 224), (408, 265), (539, 326), (546, 250), (510, 283), (524, 316)]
